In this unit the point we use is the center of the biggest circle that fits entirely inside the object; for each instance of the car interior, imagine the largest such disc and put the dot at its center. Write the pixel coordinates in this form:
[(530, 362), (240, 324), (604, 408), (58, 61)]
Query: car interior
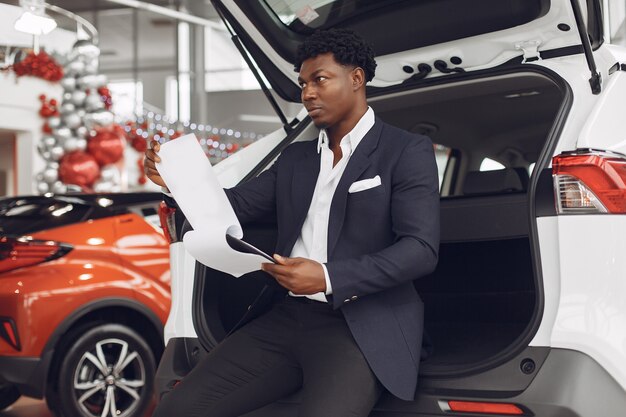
[(481, 299)]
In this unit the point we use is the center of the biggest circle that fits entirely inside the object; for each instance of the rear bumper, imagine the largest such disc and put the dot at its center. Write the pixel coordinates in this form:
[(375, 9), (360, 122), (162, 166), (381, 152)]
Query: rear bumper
[(28, 374), (567, 384)]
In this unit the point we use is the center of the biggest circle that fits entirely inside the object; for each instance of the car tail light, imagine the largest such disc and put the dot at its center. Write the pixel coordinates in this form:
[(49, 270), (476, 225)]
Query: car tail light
[(167, 215), (589, 181), (482, 408), (8, 331), (20, 252)]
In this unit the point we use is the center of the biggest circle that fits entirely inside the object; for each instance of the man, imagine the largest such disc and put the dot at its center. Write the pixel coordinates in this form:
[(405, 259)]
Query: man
[(358, 215)]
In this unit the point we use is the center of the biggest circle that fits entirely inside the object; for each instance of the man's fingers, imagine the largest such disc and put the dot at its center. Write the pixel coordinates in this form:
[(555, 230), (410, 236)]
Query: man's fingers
[(151, 155), (154, 144)]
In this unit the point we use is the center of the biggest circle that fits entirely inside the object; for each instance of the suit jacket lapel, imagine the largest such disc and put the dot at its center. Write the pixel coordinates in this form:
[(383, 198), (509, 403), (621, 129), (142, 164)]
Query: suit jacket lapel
[(359, 161), (303, 181)]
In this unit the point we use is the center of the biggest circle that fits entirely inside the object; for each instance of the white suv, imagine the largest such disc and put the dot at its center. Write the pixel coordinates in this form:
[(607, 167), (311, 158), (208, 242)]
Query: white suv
[(526, 311)]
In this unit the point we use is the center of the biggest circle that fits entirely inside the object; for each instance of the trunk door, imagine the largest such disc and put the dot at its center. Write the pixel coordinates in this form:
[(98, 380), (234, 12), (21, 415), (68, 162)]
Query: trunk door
[(461, 35)]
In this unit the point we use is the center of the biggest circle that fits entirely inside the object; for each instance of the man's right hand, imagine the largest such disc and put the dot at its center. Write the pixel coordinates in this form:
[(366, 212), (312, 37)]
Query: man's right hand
[(151, 158)]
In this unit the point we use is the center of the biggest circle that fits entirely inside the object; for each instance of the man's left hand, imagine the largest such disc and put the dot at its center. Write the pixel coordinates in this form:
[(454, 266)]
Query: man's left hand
[(301, 276)]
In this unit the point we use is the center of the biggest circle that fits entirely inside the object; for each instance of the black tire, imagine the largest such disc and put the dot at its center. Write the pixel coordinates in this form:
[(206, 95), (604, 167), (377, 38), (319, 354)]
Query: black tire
[(109, 366), (8, 395)]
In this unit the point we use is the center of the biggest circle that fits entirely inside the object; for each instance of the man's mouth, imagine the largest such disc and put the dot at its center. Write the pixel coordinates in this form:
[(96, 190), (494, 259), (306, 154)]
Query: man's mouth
[(314, 111)]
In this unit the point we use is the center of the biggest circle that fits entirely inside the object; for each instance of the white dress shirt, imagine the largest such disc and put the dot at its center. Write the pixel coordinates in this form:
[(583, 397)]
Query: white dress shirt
[(313, 240)]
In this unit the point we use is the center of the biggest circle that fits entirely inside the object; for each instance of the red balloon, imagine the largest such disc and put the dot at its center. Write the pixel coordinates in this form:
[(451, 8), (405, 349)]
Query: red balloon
[(107, 146), (79, 168)]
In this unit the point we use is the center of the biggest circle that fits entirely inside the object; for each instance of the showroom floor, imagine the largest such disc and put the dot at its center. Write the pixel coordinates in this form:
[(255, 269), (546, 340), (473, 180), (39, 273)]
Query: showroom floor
[(29, 407)]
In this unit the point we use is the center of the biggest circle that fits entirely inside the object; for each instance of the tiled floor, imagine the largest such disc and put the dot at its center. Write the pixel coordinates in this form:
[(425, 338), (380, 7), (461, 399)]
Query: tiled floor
[(28, 407)]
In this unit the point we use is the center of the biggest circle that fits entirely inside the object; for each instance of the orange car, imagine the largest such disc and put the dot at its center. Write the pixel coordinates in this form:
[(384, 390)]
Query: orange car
[(84, 293)]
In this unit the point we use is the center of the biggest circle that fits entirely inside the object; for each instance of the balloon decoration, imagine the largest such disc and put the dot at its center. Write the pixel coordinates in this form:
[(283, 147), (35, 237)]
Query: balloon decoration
[(79, 168), (39, 65), (107, 145), (80, 139), (83, 148)]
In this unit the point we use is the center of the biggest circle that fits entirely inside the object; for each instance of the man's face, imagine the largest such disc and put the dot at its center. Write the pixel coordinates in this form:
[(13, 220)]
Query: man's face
[(328, 90)]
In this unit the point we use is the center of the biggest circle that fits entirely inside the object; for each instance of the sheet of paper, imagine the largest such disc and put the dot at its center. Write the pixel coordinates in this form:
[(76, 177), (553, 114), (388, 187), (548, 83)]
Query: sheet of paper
[(190, 178)]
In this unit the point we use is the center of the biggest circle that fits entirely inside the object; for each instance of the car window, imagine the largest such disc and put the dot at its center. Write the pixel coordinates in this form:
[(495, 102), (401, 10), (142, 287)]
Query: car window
[(489, 164), (19, 217), (442, 156)]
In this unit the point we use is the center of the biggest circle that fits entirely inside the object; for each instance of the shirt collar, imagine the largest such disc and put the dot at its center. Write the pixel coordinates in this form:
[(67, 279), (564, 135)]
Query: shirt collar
[(355, 136)]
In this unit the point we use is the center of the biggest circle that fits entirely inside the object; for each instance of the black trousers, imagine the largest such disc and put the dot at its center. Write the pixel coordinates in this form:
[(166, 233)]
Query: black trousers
[(300, 343)]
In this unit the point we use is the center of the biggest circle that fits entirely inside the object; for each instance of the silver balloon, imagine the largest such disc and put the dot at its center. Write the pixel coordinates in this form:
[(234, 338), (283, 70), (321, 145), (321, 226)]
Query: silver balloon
[(101, 80), (72, 120), (81, 113), (46, 155), (39, 177), (73, 188), (48, 142), (62, 133), (78, 98), (70, 145), (93, 102), (97, 118), (86, 48), (50, 175), (101, 186), (68, 107), (57, 153), (75, 67), (110, 173), (59, 188), (86, 81), (54, 122), (42, 187), (91, 67), (81, 131), (81, 144), (67, 96), (68, 83)]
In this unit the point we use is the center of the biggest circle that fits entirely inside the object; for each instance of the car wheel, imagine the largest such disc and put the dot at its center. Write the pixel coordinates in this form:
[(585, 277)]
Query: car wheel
[(8, 395), (108, 371)]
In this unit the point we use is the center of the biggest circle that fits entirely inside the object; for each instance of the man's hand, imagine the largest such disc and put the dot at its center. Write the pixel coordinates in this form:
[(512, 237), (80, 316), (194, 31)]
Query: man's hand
[(149, 161), (299, 275)]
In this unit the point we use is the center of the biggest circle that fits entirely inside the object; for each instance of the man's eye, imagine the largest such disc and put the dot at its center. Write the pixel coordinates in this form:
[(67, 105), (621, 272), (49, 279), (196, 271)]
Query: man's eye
[(321, 78)]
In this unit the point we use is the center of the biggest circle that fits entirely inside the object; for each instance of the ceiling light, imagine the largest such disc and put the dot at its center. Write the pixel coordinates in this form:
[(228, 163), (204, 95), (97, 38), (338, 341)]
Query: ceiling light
[(34, 20)]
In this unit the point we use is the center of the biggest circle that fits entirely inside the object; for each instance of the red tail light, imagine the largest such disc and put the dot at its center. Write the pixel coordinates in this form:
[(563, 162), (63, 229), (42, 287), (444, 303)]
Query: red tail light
[(484, 408), (590, 182), (20, 252), (168, 223)]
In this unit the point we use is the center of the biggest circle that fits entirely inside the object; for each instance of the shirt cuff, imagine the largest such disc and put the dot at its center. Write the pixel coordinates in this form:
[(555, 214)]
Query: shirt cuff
[(329, 288), (166, 191)]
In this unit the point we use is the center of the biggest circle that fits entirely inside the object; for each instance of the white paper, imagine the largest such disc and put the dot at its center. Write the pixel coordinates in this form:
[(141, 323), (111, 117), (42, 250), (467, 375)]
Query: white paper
[(190, 178)]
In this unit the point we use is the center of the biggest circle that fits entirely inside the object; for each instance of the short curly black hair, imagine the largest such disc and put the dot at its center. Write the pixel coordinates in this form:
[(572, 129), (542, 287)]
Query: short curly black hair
[(347, 47)]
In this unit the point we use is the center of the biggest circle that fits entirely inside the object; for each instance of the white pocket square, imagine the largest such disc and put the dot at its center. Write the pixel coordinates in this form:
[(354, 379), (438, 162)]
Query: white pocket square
[(363, 185)]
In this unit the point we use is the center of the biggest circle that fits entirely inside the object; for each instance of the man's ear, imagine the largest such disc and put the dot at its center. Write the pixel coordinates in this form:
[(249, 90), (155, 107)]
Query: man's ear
[(358, 78)]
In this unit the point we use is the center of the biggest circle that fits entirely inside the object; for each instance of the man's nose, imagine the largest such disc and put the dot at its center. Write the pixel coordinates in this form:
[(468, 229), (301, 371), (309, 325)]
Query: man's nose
[(308, 93)]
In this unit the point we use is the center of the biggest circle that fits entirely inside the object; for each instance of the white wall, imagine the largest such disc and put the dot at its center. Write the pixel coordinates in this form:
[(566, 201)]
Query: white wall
[(19, 107)]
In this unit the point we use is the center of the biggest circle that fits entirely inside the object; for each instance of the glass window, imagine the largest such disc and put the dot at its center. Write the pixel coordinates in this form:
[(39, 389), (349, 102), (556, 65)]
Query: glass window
[(442, 156), (19, 217), (490, 165)]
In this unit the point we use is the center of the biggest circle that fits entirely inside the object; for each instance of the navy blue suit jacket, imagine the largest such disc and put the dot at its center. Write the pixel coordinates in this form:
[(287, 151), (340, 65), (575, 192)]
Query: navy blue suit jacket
[(379, 239)]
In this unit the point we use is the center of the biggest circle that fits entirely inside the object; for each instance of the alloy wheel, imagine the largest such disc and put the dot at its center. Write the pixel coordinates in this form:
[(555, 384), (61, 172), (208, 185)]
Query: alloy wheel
[(109, 379)]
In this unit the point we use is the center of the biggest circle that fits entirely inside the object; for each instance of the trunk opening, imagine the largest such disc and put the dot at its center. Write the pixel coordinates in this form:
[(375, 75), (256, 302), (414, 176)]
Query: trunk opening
[(481, 301)]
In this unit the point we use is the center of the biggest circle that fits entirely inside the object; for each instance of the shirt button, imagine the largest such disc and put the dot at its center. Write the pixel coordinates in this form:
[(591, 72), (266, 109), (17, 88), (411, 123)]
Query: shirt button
[(354, 297), (347, 300)]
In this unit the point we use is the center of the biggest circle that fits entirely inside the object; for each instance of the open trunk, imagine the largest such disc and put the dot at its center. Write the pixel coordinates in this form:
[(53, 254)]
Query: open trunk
[(485, 293)]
